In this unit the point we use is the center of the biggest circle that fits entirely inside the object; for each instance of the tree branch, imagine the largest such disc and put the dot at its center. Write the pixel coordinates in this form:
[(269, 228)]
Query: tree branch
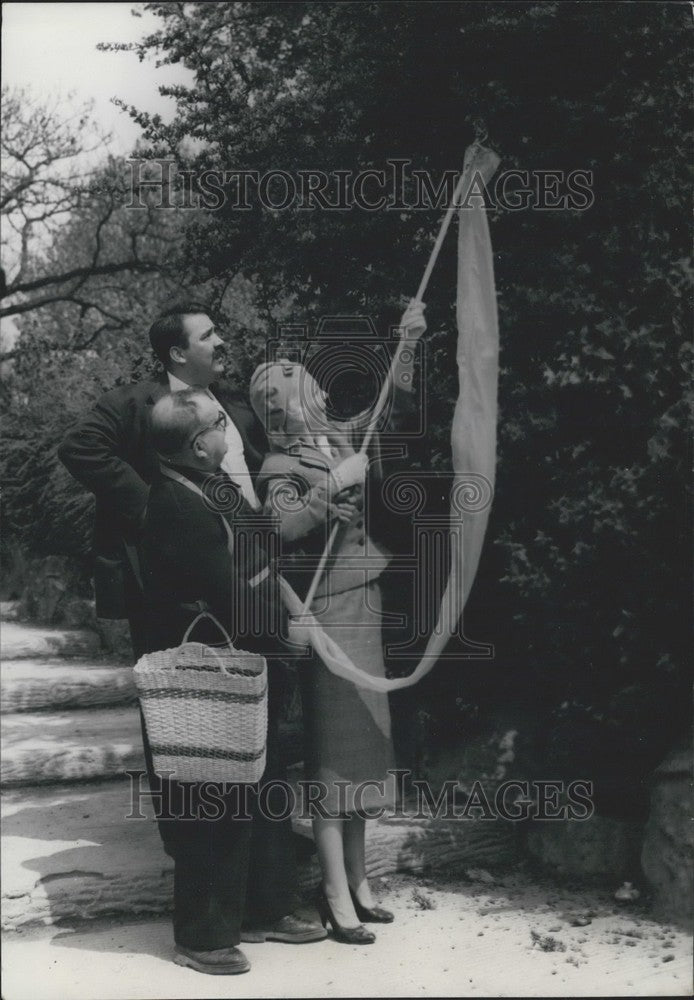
[(22, 288)]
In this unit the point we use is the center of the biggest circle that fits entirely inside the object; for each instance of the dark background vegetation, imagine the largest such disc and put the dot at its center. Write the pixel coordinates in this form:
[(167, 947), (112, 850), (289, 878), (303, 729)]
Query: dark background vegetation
[(584, 585)]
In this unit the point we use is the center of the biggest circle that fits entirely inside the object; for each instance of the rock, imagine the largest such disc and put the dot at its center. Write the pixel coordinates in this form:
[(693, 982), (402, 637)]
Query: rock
[(422, 900), (597, 847), (70, 746), (545, 942), (57, 865), (76, 612), (49, 589), (35, 642), (9, 611), (627, 893), (667, 859), (480, 875), (28, 685), (436, 844), (115, 639)]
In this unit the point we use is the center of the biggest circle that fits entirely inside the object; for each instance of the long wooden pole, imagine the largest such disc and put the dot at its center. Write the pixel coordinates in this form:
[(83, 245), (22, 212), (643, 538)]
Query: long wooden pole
[(433, 256)]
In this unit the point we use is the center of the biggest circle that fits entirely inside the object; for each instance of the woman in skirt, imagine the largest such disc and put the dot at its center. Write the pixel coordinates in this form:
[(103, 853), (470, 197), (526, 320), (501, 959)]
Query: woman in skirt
[(312, 477)]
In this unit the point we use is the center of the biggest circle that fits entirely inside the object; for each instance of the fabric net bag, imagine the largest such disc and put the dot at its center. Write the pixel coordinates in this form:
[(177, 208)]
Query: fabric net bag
[(205, 708)]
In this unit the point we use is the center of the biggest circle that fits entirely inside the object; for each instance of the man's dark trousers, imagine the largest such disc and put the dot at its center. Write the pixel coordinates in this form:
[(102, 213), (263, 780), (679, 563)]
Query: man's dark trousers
[(238, 868)]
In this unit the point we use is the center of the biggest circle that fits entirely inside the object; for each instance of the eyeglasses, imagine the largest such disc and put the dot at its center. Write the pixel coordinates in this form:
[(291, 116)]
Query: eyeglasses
[(220, 424)]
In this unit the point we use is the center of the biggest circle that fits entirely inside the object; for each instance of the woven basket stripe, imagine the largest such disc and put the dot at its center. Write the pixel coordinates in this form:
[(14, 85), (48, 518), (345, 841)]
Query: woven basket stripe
[(203, 721), (222, 696), (204, 753), (198, 770), (188, 680), (201, 659), (205, 669)]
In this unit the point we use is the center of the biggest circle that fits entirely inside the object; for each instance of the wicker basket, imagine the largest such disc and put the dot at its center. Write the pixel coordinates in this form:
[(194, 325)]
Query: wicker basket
[(205, 709)]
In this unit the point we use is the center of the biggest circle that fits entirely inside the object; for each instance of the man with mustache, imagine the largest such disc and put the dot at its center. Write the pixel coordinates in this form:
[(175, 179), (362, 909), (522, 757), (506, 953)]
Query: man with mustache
[(111, 453)]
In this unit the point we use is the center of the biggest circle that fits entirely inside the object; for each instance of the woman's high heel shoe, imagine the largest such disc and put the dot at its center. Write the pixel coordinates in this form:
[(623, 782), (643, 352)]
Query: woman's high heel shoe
[(348, 935), (373, 914)]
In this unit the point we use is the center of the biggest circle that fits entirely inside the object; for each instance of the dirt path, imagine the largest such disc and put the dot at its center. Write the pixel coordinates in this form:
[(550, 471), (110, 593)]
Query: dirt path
[(516, 936)]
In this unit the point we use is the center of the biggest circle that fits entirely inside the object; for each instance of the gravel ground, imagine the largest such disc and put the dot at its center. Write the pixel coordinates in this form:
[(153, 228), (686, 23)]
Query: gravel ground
[(502, 935)]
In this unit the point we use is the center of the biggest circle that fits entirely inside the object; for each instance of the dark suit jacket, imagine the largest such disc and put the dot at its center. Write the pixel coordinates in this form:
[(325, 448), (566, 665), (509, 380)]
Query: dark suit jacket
[(186, 558), (110, 453)]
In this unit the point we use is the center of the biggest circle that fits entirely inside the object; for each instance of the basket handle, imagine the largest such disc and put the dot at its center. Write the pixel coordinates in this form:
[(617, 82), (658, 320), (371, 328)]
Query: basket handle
[(208, 614), (211, 650)]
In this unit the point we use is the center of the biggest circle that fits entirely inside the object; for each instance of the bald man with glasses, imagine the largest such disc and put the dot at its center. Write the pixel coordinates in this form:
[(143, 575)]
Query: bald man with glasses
[(203, 547)]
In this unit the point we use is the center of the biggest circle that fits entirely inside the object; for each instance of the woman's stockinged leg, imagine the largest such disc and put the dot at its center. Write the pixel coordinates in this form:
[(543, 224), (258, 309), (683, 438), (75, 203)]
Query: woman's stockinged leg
[(355, 858), (330, 845)]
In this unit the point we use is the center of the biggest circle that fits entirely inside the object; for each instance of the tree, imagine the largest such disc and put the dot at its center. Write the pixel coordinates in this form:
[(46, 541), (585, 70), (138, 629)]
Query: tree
[(67, 355), (53, 171)]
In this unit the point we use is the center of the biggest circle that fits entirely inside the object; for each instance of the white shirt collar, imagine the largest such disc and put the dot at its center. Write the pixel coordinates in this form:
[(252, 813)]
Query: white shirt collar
[(176, 384), (234, 462)]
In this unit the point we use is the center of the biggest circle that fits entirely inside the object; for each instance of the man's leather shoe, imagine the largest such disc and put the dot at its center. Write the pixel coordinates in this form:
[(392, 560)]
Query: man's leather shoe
[(221, 962), (291, 929)]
